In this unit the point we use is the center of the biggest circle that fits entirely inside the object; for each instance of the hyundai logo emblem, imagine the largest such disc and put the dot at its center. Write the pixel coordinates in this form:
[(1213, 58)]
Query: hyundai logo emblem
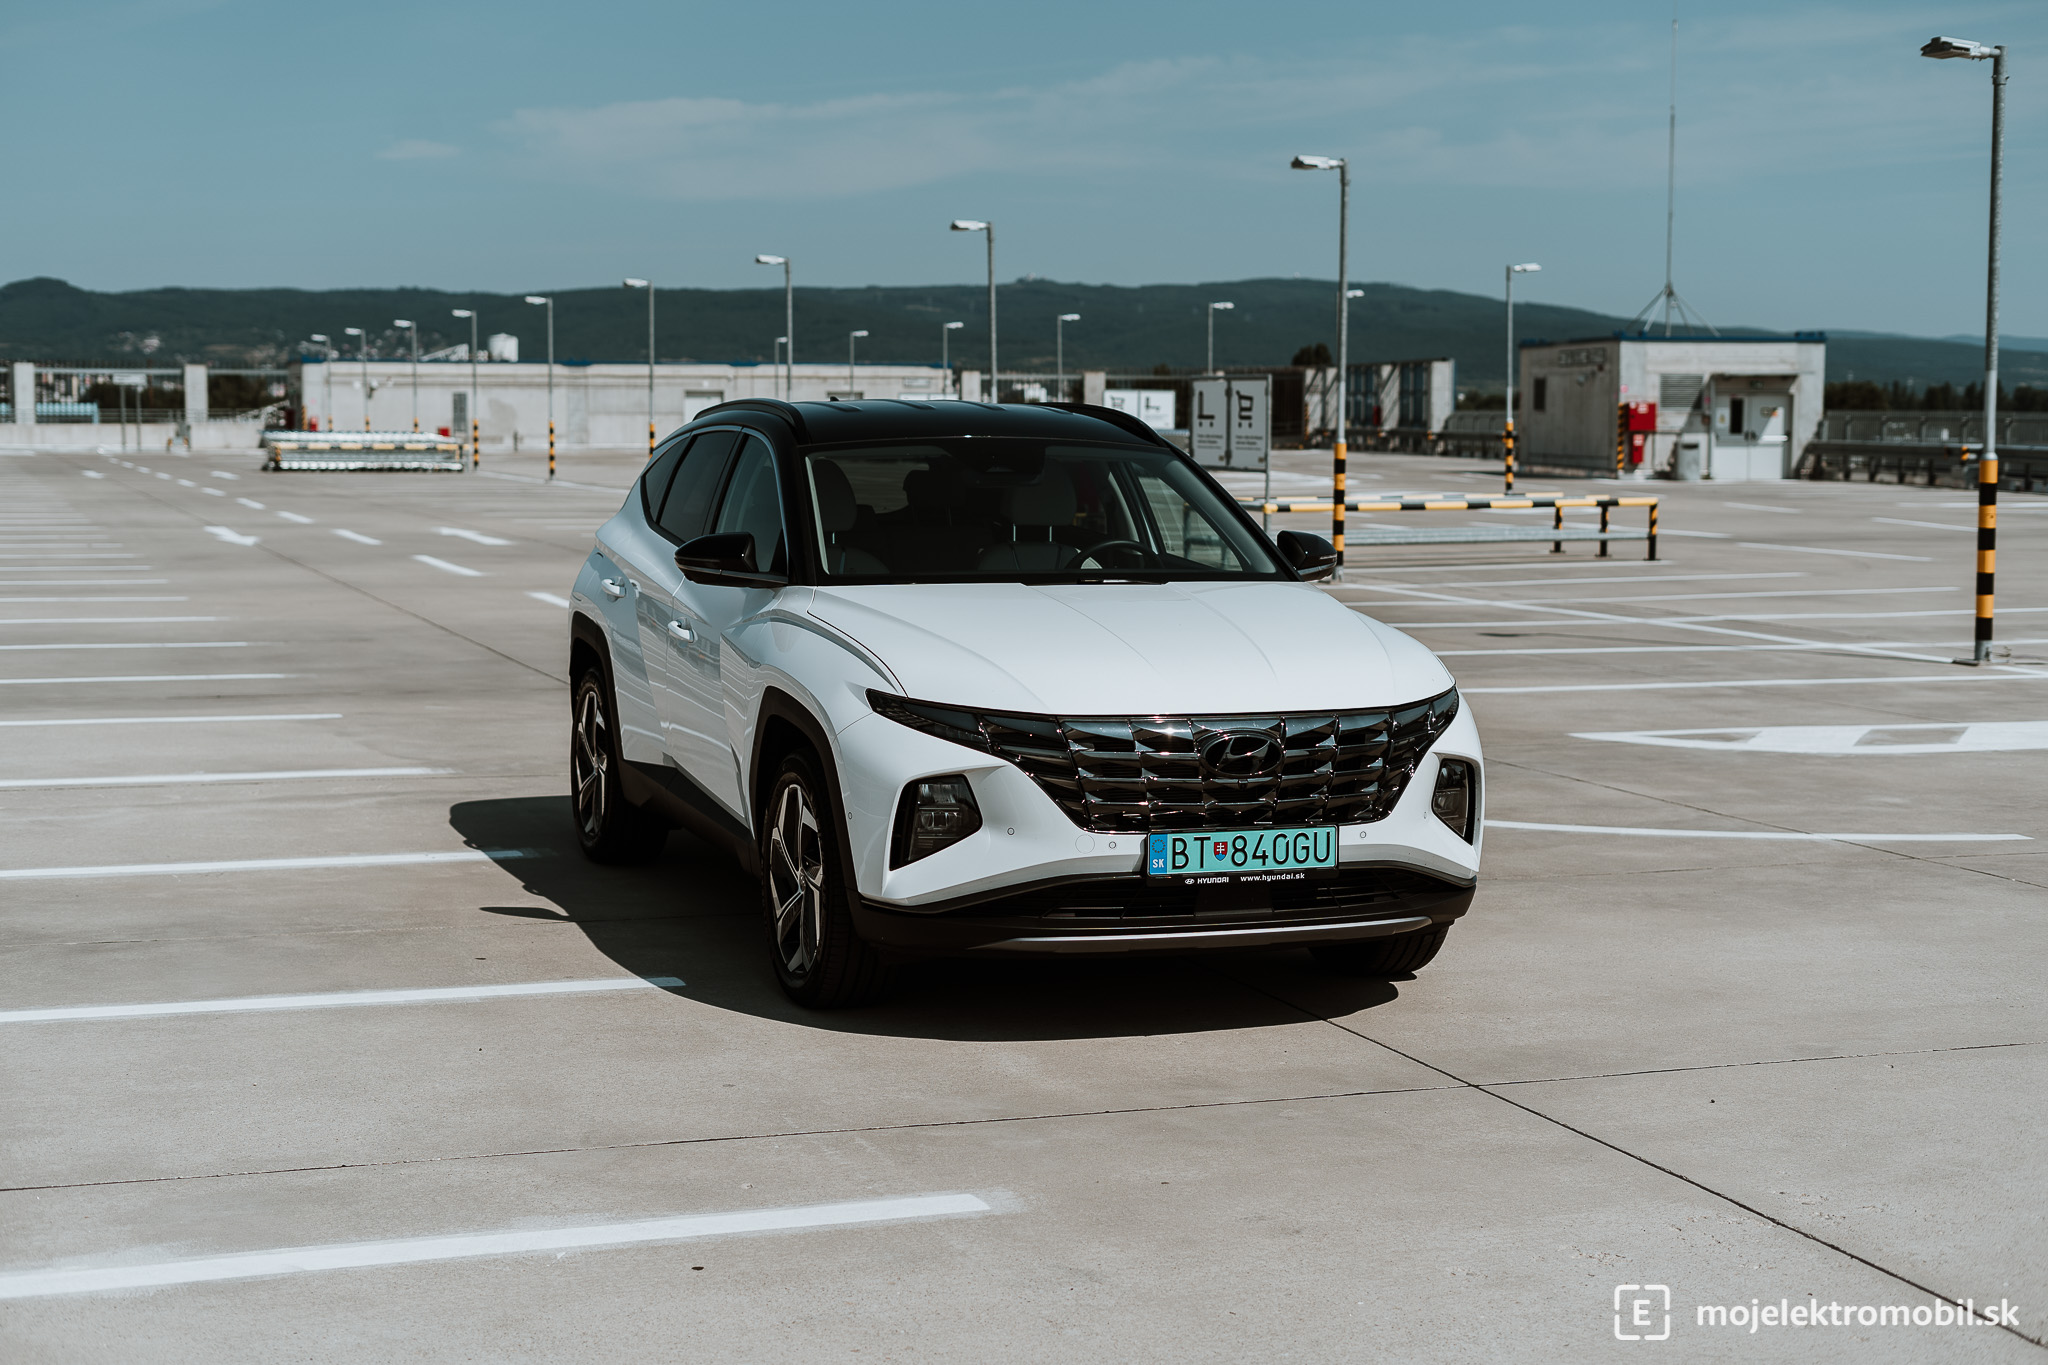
[(1242, 754)]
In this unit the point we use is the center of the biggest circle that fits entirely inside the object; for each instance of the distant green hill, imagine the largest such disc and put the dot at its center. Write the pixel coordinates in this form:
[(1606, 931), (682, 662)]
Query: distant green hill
[(1121, 329)]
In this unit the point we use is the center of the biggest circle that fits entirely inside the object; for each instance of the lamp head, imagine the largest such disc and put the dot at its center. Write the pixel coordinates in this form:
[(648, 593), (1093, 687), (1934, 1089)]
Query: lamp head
[(320, 337), (1949, 48), (969, 225), (632, 283), (1354, 293), (771, 260), (782, 341), (1525, 269), (538, 298), (1221, 307), (401, 322), (1316, 163), (352, 331), (1070, 317), (462, 312), (861, 333), (954, 326)]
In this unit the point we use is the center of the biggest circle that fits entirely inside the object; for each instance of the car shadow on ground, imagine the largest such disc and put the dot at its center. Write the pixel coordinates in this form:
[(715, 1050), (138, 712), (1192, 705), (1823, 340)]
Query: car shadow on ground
[(693, 914)]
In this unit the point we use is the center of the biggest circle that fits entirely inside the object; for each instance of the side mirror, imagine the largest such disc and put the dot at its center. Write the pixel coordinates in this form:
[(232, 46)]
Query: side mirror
[(1310, 556), (725, 561)]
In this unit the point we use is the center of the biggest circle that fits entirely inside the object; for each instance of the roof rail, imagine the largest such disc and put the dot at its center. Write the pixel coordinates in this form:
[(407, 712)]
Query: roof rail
[(775, 407), (1115, 418)]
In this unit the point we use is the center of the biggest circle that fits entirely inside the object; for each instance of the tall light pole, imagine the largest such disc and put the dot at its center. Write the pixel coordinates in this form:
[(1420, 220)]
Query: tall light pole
[(1342, 167), (328, 353), (1507, 431), (851, 338), (1059, 350), (643, 284), (1987, 462), (788, 325), (413, 327), (476, 426), (946, 331), (549, 301), (1212, 310), (995, 393)]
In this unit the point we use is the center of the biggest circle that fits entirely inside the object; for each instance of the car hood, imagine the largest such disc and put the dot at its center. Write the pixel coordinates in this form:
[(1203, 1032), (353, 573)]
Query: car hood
[(1132, 648)]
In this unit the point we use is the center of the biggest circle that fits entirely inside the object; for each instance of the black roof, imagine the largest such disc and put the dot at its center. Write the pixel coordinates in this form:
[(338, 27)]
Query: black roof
[(876, 419)]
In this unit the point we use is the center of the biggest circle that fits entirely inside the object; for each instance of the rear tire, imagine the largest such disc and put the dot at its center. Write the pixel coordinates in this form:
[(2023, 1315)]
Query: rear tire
[(819, 959), (609, 828), (1394, 955)]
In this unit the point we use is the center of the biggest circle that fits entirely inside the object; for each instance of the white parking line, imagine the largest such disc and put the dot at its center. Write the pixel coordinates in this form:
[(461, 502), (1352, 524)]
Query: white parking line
[(1980, 737), (215, 492), (467, 855), (2014, 675), (1847, 645), (201, 779), (550, 598), (1617, 578), (1932, 525), (435, 995), (251, 503), (93, 620), (446, 567), (24, 1284), (139, 644), (294, 516), (1760, 507), (223, 474), (1633, 831), (232, 537), (88, 583), (477, 536), (357, 536), (186, 483), (166, 720), (65, 554), (1817, 550), (92, 473), (149, 678)]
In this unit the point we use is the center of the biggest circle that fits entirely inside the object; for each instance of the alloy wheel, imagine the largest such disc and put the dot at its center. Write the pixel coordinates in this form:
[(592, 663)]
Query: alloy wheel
[(590, 763), (796, 879)]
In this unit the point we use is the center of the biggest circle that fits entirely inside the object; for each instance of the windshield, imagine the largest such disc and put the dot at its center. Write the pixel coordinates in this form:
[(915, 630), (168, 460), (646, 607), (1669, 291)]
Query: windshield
[(1010, 510)]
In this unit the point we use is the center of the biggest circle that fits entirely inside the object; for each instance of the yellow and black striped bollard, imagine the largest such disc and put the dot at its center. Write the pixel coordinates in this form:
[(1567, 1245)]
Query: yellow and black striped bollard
[(1507, 441), (1987, 550), (551, 447)]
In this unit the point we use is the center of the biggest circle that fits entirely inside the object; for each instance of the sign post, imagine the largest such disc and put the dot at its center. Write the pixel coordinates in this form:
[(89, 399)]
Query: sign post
[(1232, 426)]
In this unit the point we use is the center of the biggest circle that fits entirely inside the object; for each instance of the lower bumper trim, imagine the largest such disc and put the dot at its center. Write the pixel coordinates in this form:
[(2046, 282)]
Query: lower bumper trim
[(1193, 940)]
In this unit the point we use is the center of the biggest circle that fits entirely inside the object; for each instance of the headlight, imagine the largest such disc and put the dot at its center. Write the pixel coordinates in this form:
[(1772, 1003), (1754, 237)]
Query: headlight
[(1456, 798), (933, 813)]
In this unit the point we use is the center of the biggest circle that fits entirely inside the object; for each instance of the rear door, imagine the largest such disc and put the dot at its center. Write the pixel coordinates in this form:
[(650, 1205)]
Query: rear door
[(626, 546)]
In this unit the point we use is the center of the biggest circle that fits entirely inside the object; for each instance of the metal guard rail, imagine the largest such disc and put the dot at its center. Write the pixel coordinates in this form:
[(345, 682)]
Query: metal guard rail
[(349, 450), (1557, 535)]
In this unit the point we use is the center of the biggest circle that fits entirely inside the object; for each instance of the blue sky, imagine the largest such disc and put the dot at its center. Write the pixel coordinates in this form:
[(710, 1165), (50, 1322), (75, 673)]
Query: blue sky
[(1828, 176)]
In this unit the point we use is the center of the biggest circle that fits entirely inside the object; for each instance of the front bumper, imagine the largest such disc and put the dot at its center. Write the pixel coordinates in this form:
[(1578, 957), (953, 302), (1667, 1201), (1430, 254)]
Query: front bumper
[(1129, 914)]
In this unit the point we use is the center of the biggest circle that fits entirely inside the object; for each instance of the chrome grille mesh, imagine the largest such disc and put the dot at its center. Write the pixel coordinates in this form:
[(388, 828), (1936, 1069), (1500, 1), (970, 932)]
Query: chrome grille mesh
[(1133, 774)]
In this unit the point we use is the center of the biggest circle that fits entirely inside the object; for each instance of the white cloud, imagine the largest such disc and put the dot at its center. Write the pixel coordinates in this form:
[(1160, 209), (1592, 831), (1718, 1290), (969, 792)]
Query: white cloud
[(417, 149)]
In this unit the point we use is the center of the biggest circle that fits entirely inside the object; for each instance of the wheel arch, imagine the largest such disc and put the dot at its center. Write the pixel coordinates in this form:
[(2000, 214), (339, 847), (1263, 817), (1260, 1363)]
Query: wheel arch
[(782, 726)]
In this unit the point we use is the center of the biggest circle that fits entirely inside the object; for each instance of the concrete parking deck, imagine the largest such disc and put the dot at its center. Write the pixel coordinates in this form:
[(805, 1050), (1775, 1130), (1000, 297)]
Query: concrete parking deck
[(1749, 1005)]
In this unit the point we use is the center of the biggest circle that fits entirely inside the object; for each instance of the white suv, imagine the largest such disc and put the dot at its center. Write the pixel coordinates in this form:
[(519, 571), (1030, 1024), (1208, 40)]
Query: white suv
[(956, 678)]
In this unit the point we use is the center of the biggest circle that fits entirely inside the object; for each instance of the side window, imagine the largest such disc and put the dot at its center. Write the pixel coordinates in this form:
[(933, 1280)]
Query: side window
[(753, 503), (654, 483), (688, 505)]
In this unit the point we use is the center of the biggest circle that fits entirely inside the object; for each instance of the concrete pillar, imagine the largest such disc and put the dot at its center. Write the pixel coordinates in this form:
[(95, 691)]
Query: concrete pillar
[(22, 392), (1094, 383), (970, 385), (195, 394)]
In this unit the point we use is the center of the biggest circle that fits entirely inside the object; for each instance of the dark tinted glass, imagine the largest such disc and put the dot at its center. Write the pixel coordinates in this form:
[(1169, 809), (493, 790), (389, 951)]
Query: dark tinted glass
[(753, 503), (688, 506), (662, 468)]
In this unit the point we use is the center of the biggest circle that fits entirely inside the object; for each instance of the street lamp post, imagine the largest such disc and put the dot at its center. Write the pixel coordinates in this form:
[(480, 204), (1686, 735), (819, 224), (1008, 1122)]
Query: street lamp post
[(549, 301), (413, 327), (995, 390), (1059, 350), (851, 338), (649, 287), (776, 352), (1343, 168), (362, 354), (946, 331), (1507, 431), (1212, 310), (327, 352), (1987, 462), (476, 426), (788, 325)]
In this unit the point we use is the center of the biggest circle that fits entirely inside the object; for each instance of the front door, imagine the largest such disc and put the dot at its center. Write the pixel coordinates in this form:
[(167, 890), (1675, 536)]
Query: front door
[(696, 702), (1751, 434)]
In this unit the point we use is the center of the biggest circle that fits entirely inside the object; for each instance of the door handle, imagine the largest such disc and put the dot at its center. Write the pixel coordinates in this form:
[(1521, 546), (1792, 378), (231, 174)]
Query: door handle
[(612, 587), (678, 631)]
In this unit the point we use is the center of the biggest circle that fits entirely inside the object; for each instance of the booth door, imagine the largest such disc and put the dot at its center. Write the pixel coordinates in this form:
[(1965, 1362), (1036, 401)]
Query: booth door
[(1751, 435)]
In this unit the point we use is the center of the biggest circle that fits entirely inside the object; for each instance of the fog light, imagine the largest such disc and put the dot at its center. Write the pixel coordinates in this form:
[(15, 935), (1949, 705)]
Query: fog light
[(1455, 800), (933, 813)]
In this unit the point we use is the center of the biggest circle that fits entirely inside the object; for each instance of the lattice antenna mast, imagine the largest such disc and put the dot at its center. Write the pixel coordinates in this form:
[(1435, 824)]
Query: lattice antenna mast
[(1668, 295)]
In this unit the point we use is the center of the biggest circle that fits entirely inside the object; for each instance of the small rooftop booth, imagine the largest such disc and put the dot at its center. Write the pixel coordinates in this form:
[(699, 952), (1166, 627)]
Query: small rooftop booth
[(1727, 408)]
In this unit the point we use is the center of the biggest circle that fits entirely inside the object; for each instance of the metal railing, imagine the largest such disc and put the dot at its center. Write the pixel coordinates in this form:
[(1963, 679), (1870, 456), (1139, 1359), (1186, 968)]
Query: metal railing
[(1557, 534)]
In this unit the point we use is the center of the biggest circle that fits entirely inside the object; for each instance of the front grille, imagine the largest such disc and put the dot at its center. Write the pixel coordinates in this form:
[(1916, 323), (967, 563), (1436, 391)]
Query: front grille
[(1135, 774)]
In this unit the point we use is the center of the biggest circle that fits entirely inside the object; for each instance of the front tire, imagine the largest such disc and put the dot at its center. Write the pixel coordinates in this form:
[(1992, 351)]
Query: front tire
[(1395, 955), (819, 959), (609, 828)]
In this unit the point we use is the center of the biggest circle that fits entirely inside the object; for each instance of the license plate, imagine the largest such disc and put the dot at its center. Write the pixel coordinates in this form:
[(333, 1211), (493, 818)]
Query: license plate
[(1262, 854)]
